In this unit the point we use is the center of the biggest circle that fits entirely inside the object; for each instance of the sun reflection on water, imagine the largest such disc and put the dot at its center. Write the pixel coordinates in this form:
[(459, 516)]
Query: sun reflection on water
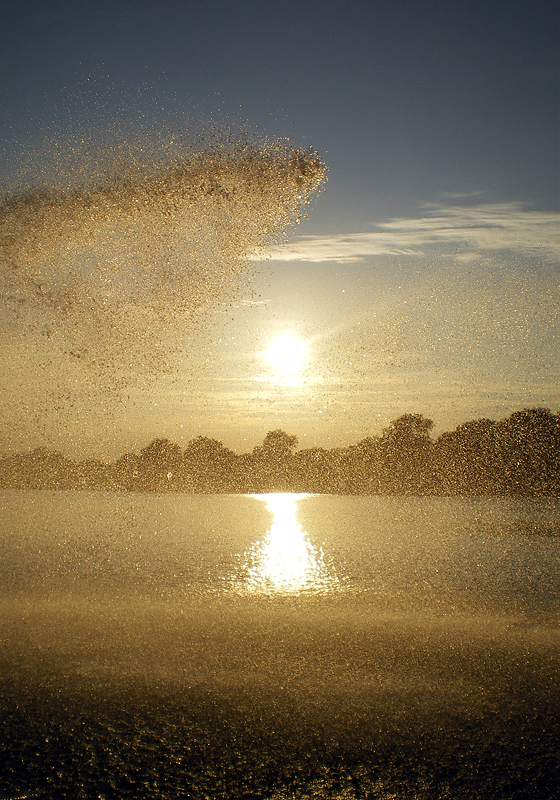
[(285, 561)]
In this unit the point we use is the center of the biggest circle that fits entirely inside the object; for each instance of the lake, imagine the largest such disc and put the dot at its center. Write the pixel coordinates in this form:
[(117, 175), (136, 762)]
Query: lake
[(278, 646)]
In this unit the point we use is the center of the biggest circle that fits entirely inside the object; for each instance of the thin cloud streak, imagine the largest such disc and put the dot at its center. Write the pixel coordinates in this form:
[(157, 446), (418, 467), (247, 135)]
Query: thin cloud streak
[(498, 226)]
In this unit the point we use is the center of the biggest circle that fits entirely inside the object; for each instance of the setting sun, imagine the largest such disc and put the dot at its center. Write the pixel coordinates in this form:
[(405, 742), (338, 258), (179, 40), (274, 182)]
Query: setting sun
[(286, 354)]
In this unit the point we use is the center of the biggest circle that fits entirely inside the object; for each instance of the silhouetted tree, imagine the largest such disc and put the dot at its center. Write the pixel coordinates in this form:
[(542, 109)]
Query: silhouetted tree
[(317, 470), (41, 469), (127, 472), (159, 466), (363, 467), (272, 462), (529, 442), (277, 445), (517, 455), (96, 475), (405, 465), (468, 459), (210, 466)]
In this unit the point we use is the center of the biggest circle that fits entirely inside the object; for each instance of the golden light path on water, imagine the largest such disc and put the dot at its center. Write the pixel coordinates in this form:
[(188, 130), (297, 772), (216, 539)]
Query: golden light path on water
[(285, 561)]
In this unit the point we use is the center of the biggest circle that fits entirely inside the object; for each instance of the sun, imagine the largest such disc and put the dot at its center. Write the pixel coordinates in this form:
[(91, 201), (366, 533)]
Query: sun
[(286, 355)]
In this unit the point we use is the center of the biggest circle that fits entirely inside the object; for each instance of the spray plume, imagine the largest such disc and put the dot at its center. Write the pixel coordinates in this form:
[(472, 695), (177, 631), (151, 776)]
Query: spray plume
[(109, 268)]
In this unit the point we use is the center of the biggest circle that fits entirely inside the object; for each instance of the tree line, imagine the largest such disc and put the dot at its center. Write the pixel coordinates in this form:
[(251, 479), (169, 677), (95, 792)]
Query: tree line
[(518, 455)]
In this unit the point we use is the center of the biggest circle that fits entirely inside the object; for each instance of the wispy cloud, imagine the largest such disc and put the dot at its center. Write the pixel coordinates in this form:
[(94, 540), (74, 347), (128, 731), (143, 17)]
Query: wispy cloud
[(497, 226)]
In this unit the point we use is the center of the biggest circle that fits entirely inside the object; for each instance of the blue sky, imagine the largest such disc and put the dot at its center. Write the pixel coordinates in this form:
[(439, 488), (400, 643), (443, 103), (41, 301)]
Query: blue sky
[(426, 278), (409, 102)]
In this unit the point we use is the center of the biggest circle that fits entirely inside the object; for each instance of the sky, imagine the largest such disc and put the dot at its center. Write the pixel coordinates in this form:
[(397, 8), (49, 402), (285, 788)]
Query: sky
[(424, 276)]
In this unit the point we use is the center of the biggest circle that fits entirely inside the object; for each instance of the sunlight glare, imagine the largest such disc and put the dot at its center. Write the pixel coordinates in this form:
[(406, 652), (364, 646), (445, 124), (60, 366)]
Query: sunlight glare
[(286, 354), (285, 560)]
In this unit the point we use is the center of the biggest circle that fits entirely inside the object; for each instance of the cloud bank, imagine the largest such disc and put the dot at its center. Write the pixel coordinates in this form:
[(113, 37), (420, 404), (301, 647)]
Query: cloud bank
[(484, 227)]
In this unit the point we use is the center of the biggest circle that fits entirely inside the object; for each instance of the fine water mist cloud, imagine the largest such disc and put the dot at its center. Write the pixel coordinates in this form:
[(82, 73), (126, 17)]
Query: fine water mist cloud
[(127, 257), (109, 267)]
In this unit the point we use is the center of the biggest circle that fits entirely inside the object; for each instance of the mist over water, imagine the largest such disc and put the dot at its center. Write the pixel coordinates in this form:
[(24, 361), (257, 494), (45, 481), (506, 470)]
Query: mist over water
[(109, 262), (169, 645), (278, 646)]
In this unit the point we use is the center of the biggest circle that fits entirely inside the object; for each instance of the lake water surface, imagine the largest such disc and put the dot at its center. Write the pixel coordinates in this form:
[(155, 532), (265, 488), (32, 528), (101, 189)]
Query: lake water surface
[(278, 646)]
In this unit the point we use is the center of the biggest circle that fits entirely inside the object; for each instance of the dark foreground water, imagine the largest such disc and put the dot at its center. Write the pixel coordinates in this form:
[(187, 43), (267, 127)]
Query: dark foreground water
[(278, 647)]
